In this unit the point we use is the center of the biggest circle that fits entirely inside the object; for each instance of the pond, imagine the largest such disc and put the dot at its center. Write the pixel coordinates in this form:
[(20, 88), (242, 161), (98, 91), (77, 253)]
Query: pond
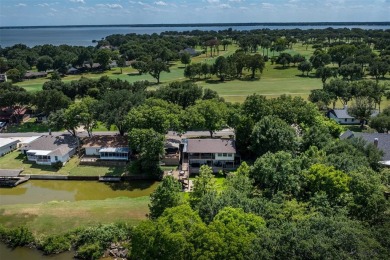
[(37, 191), (25, 253)]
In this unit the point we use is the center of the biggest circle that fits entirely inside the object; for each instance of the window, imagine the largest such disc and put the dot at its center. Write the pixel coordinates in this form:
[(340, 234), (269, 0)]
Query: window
[(229, 155), (56, 158), (345, 120), (220, 155), (225, 155)]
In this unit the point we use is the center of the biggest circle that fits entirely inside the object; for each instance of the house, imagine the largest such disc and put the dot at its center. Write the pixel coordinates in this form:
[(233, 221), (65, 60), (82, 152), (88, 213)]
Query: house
[(73, 71), (381, 141), (172, 154), (342, 117), (25, 140), (12, 115), (190, 51), (107, 147), (7, 145), (34, 75), (3, 77), (220, 154), (49, 149)]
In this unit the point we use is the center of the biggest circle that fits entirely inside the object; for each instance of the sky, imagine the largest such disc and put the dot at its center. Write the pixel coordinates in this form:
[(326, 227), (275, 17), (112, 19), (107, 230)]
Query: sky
[(95, 12)]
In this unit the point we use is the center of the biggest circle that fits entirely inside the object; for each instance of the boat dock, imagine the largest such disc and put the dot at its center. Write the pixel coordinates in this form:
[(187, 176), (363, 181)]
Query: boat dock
[(12, 178)]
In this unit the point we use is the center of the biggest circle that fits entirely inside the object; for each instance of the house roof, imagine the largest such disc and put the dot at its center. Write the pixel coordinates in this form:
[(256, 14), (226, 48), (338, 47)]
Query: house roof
[(343, 113), (106, 141), (383, 142), (58, 145), (210, 146), (7, 141)]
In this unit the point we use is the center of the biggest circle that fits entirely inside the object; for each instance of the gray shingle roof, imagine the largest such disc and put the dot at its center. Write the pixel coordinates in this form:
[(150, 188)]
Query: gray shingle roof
[(343, 113), (383, 142), (59, 145), (210, 146)]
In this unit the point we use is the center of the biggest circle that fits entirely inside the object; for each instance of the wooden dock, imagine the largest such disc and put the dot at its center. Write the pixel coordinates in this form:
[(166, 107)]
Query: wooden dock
[(12, 178)]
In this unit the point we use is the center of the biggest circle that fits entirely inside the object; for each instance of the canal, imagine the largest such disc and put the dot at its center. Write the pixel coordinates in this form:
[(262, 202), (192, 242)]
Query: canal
[(37, 191)]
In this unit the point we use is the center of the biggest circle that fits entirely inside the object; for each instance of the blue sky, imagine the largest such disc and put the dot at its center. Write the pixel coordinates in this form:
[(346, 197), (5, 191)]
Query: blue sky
[(74, 12)]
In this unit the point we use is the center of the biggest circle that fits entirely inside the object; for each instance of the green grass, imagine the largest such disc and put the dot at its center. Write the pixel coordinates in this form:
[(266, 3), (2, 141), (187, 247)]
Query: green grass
[(29, 126), (59, 217), (273, 82), (16, 160)]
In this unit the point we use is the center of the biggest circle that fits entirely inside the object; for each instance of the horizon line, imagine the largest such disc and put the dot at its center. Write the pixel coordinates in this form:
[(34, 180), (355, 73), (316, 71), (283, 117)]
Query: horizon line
[(198, 24)]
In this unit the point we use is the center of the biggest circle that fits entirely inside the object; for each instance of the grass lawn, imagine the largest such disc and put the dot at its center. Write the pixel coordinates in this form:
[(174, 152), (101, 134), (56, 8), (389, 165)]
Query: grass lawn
[(15, 160), (274, 80), (59, 217), (29, 126)]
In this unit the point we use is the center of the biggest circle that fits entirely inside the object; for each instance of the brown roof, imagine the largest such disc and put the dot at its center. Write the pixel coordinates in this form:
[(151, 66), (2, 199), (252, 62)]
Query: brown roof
[(106, 141), (210, 146)]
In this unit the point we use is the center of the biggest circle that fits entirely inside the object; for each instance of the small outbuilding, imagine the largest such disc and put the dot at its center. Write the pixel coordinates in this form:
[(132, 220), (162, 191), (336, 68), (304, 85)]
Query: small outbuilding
[(7, 145)]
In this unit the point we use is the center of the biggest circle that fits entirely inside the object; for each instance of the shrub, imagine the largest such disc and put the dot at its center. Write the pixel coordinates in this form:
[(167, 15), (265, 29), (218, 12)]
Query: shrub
[(57, 165), (56, 244), (19, 236), (90, 251)]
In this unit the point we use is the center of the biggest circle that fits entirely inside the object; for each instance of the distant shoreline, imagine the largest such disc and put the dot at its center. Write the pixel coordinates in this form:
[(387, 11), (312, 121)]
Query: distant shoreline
[(203, 25)]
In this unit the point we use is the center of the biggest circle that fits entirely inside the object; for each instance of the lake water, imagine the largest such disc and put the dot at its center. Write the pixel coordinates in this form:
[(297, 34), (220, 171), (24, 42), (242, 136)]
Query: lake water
[(37, 191), (83, 36), (24, 253)]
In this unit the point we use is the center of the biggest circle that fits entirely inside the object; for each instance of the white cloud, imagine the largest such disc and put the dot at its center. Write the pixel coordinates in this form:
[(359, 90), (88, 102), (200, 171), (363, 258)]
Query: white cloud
[(43, 5), (78, 1), (224, 6), (53, 10), (212, 1), (236, 1), (267, 5), (162, 3), (21, 5), (111, 6)]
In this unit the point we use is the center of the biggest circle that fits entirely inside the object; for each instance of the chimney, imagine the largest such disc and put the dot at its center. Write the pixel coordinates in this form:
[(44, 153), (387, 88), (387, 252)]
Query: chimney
[(376, 142)]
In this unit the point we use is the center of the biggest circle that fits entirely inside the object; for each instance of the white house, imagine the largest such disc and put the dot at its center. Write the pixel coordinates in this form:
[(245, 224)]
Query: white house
[(107, 147), (341, 116), (7, 145), (49, 149), (220, 154)]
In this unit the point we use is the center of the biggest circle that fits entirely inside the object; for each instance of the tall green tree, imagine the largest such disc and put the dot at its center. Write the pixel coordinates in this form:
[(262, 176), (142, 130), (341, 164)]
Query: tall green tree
[(203, 183), (155, 68), (167, 195)]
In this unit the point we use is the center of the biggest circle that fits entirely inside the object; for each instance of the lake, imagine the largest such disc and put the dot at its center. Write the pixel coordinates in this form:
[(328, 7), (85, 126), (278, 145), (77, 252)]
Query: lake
[(83, 36), (38, 191)]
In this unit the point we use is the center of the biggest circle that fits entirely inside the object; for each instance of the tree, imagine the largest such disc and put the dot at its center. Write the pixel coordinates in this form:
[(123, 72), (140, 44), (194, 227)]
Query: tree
[(351, 71), (141, 66), (87, 114), (184, 94), (14, 75), (324, 73), (339, 53), (298, 58), (44, 63), (321, 98), (185, 58), (340, 89), (121, 63), (284, 59), (322, 178), (378, 68), (305, 66), (277, 172), (48, 101), (149, 145), (14, 97), (362, 109), (103, 56), (65, 118), (255, 63), (156, 67), (159, 117), (272, 134), (320, 59), (203, 183), (167, 195), (114, 105), (221, 68), (211, 115)]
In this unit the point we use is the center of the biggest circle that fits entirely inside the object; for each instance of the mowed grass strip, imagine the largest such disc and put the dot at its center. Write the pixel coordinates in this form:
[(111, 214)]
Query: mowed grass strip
[(59, 217)]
